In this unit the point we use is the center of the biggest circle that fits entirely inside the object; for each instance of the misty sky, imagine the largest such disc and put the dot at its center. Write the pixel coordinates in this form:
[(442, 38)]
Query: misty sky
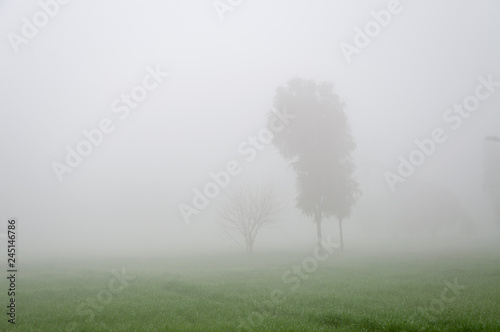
[(124, 196)]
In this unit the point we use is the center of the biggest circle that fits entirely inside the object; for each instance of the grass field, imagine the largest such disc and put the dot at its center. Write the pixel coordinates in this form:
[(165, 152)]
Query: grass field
[(346, 292)]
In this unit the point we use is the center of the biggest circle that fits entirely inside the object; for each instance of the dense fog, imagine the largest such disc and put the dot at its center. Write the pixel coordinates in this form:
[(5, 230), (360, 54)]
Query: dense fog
[(115, 115)]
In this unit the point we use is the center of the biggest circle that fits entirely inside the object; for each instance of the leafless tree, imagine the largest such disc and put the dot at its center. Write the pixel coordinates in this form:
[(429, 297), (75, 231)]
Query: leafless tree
[(246, 210)]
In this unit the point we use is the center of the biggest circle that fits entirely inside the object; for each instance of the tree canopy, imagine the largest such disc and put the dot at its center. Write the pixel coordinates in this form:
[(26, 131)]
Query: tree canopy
[(318, 143)]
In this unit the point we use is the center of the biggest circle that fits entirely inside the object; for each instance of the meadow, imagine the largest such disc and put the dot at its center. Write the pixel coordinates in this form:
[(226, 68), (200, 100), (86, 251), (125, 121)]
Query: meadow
[(349, 291)]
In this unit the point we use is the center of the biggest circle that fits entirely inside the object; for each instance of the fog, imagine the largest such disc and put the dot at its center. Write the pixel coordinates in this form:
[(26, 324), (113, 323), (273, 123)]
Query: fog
[(210, 86)]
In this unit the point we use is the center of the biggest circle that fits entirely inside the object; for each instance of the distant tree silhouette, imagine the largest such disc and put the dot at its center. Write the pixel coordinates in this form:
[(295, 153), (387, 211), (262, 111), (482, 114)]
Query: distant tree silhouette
[(248, 209), (419, 208), (492, 173), (318, 143)]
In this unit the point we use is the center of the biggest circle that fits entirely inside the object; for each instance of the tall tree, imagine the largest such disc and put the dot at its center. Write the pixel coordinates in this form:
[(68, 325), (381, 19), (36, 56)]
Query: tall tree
[(318, 143), (247, 210)]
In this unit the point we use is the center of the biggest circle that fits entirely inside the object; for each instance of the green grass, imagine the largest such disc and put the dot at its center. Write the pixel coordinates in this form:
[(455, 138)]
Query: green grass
[(348, 292)]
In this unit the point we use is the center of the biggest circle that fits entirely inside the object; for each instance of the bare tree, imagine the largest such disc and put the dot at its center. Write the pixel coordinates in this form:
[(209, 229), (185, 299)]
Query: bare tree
[(247, 210)]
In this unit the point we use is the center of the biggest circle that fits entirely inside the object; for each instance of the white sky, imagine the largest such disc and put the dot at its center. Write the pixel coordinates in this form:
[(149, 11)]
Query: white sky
[(125, 195)]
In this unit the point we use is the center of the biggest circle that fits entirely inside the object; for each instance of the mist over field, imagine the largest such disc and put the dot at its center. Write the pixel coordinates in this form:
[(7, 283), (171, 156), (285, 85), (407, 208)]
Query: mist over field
[(163, 131)]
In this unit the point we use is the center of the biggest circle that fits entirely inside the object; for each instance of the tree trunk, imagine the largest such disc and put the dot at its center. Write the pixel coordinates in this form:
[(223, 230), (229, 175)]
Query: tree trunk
[(317, 219), (341, 235), (249, 248), (249, 245)]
